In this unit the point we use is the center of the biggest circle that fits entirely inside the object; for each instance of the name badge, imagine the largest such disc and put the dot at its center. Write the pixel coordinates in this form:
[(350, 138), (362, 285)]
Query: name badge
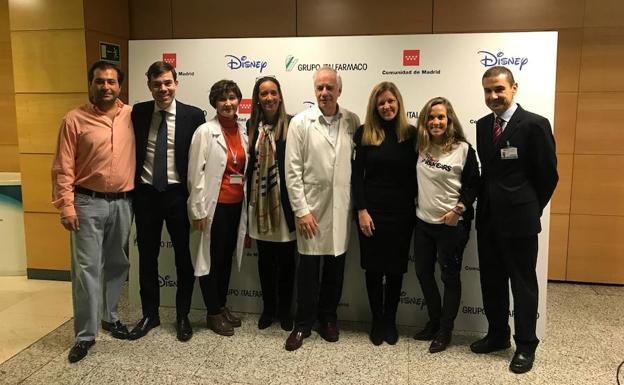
[(509, 153), (236, 179)]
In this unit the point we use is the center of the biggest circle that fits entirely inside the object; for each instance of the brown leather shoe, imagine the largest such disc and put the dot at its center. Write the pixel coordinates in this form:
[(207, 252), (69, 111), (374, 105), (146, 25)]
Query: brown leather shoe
[(329, 331), (231, 318), (218, 324), (295, 339)]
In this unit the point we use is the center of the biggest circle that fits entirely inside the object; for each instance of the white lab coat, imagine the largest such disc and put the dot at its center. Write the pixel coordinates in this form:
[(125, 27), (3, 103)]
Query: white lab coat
[(207, 161), (318, 178)]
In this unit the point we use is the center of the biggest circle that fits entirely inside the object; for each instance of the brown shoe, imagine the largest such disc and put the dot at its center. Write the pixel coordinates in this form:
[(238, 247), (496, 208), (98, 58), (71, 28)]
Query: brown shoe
[(218, 324), (329, 331), (295, 339), (231, 318)]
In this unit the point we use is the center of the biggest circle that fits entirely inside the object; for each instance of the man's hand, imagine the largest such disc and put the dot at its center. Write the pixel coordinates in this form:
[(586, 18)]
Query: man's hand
[(70, 223), (450, 219), (307, 226), (200, 224)]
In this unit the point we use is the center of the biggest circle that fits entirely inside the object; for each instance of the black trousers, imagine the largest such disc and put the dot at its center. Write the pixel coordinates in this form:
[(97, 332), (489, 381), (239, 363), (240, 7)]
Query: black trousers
[(223, 238), (504, 259), (151, 209), (446, 244), (383, 295), (276, 268), (318, 300)]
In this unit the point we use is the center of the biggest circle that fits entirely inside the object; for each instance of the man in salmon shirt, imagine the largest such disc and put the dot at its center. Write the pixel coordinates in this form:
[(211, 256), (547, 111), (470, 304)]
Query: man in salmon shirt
[(92, 180)]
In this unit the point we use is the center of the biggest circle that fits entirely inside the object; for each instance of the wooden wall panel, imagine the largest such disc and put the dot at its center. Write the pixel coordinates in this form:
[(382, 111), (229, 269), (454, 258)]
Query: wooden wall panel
[(9, 158), (6, 67), (8, 127), (242, 18), (602, 60), (92, 43), (60, 61), (569, 46), (599, 123), (560, 203), (597, 185), (363, 17), (47, 242), (565, 121), (151, 19), (111, 17), (37, 183), (604, 13), (498, 16), (558, 246), (596, 249), (39, 15), (39, 117)]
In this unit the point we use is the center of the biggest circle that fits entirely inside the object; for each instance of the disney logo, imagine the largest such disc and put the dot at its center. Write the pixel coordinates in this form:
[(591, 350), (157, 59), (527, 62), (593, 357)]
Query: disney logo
[(166, 281), (243, 62), (490, 59)]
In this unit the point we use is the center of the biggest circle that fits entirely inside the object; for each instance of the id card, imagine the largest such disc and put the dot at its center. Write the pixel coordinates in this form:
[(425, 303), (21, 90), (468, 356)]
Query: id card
[(509, 153), (236, 179)]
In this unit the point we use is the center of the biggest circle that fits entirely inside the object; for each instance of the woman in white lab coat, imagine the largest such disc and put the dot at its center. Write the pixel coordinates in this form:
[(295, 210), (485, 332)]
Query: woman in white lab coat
[(216, 205)]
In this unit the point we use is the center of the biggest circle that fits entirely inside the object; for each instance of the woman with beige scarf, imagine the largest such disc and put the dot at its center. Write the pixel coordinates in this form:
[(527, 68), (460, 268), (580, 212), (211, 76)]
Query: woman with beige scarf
[(271, 220)]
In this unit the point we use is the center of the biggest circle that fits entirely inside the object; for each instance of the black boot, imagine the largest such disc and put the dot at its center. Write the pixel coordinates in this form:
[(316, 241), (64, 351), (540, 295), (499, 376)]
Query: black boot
[(374, 288), (392, 292)]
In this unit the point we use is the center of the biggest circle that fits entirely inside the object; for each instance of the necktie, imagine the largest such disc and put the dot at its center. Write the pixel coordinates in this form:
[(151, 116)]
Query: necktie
[(159, 176), (498, 129)]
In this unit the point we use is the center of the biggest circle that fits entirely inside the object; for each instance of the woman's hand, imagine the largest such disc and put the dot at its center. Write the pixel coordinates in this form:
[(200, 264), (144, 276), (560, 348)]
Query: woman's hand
[(366, 223), (200, 224)]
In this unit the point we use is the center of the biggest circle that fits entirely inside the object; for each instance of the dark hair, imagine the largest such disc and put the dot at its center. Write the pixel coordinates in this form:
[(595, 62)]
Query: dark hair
[(221, 88), (257, 113), (160, 67), (499, 70), (104, 65)]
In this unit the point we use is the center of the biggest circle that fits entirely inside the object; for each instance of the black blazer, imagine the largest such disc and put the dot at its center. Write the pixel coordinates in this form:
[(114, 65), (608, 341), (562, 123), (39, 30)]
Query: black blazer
[(514, 192), (188, 118), (280, 152)]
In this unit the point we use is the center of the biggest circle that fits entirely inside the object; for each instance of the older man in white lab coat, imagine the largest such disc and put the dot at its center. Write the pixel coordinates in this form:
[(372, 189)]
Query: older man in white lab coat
[(318, 177)]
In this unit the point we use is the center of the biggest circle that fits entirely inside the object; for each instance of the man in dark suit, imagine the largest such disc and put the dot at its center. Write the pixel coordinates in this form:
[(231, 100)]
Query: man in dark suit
[(163, 129), (519, 175)]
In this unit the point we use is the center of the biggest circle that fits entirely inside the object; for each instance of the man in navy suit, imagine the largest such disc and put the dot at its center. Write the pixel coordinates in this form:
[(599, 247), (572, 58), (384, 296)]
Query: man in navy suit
[(519, 175), (163, 130)]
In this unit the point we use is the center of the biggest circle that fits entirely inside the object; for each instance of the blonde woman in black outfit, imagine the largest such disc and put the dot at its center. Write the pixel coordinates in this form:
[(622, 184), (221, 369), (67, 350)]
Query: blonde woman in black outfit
[(448, 179), (384, 187), (271, 219)]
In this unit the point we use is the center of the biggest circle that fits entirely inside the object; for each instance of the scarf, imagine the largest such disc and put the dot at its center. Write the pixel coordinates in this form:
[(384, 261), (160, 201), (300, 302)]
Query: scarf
[(265, 191)]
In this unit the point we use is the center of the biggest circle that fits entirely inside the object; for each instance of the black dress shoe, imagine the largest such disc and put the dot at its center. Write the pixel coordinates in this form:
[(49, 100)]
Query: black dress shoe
[(286, 323), (329, 331), (184, 329), (489, 344), (522, 362), (295, 339), (265, 321), (231, 318), (143, 326), (116, 329), (79, 351), (440, 342), (428, 333)]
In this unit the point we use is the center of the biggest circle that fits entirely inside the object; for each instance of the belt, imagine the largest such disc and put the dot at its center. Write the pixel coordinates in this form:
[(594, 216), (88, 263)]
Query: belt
[(106, 195)]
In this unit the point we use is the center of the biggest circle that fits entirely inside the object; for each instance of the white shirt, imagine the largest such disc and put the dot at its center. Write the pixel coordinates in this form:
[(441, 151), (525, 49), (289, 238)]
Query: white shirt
[(148, 164), (506, 116)]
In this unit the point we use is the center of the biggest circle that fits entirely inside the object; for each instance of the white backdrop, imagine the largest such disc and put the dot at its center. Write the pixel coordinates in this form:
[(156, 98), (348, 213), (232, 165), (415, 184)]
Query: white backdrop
[(422, 66)]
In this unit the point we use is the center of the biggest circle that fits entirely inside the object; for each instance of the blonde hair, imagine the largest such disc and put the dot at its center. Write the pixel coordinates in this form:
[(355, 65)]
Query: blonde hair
[(453, 134), (373, 133)]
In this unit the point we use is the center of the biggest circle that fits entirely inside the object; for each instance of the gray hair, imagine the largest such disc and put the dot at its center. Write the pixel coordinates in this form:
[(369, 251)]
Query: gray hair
[(328, 68)]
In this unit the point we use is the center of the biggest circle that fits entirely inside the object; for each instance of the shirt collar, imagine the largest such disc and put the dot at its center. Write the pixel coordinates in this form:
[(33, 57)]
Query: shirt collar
[(171, 109), (319, 115), (97, 111), (506, 116)]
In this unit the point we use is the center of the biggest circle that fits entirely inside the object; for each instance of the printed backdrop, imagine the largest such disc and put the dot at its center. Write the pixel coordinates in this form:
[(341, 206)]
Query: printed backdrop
[(422, 66)]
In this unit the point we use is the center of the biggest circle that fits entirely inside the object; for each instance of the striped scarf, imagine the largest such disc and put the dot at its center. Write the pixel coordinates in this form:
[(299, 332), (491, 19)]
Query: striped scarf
[(265, 191)]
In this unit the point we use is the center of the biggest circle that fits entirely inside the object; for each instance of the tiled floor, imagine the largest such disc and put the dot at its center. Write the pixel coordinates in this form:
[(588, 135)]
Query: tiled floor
[(585, 344), (30, 309)]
